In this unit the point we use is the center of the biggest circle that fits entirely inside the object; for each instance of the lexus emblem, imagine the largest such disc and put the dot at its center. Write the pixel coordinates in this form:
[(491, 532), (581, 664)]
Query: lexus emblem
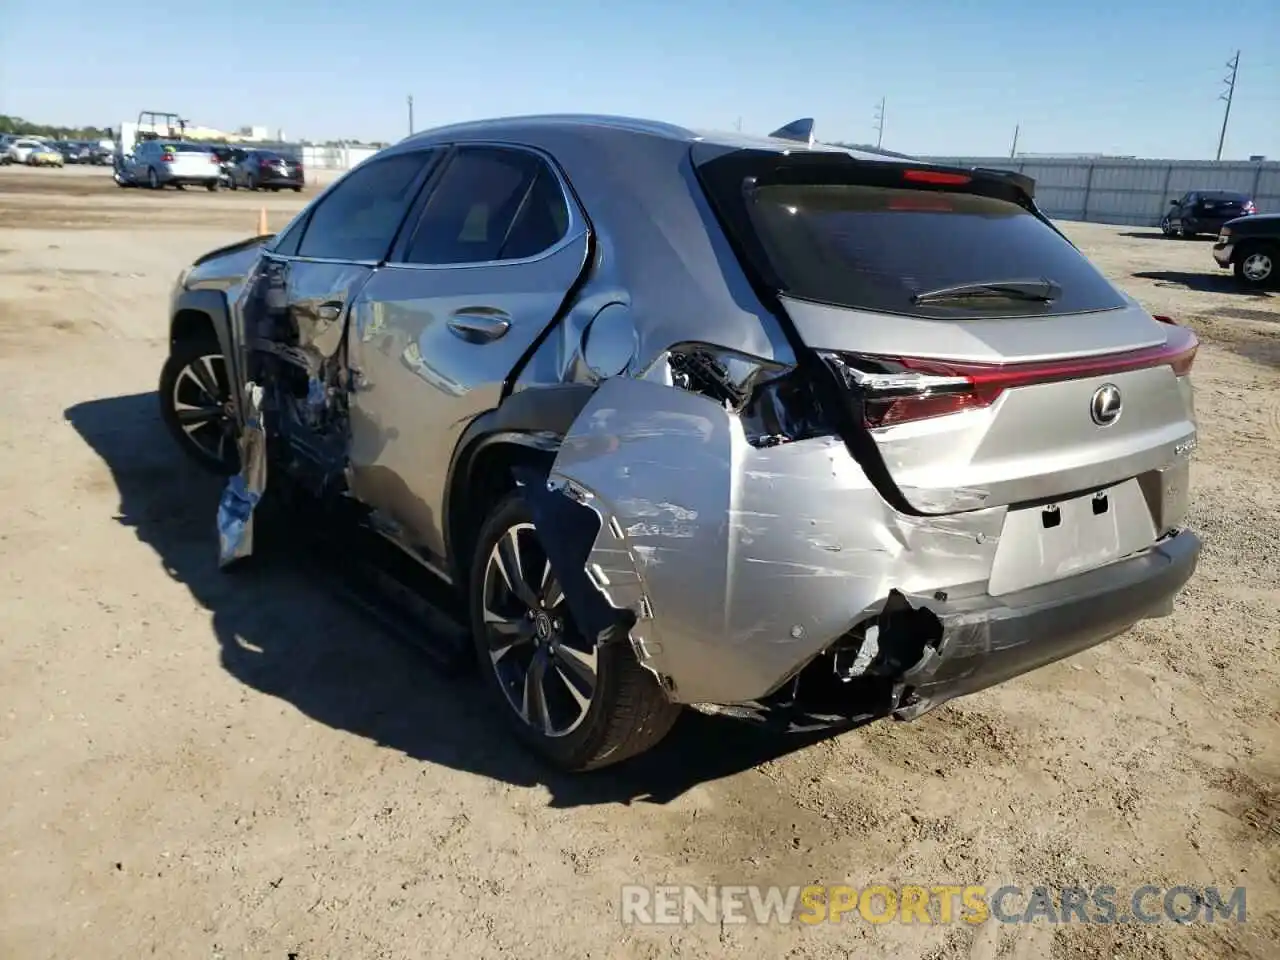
[(1105, 406)]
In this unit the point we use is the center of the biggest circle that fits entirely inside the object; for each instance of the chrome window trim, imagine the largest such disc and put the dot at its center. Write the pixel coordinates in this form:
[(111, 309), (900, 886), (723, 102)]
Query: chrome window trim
[(574, 230)]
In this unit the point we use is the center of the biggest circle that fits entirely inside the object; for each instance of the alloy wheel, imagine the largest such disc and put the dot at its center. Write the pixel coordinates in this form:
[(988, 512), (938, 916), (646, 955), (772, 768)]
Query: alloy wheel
[(202, 405), (1257, 267), (547, 670)]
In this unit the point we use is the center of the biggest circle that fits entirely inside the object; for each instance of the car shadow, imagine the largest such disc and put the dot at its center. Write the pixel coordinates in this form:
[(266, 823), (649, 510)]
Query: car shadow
[(1157, 235), (1201, 282), (280, 632)]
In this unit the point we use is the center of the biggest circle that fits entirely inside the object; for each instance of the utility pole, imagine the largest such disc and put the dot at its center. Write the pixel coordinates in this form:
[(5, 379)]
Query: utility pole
[(739, 125), (1227, 95), (880, 123), (410, 99), (1013, 150)]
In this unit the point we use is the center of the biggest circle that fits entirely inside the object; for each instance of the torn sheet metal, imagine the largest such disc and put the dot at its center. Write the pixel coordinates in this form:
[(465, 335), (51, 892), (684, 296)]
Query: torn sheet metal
[(750, 560), (571, 529), (244, 490)]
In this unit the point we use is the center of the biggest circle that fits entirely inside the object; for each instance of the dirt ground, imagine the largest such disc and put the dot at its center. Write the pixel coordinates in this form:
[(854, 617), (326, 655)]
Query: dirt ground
[(206, 766)]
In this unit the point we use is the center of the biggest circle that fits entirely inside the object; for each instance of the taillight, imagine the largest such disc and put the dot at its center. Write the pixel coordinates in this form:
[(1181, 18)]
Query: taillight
[(936, 176), (1249, 207), (897, 390), (265, 164), (167, 157)]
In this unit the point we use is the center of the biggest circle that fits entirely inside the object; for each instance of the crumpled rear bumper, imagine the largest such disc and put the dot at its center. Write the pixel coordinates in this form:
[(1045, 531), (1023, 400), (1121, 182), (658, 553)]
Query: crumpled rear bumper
[(987, 640)]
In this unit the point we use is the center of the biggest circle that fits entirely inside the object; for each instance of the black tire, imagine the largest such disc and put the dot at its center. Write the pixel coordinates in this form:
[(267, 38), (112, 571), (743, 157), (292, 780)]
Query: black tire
[(198, 442), (213, 187), (1186, 232), (153, 179), (1165, 227), (1255, 265), (252, 182), (297, 189), (628, 712)]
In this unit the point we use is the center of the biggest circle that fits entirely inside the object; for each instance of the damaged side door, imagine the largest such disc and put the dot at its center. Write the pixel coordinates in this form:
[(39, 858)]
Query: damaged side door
[(437, 331), (294, 310)]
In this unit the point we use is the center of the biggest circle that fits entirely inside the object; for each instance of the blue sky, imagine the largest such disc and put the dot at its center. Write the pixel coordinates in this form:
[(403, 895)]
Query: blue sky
[(1125, 76)]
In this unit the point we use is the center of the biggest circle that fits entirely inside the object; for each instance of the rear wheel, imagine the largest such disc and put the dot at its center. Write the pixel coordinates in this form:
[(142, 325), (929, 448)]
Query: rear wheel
[(581, 706), (1256, 266), (297, 189), (195, 403), (213, 186), (1185, 231)]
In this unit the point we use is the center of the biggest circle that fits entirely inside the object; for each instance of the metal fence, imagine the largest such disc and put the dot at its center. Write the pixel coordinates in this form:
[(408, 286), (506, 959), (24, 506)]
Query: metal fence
[(1131, 192)]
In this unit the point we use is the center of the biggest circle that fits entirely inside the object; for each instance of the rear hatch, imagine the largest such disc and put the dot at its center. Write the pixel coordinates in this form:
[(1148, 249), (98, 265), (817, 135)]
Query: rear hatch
[(988, 361), (274, 166), (190, 160), (1223, 206)]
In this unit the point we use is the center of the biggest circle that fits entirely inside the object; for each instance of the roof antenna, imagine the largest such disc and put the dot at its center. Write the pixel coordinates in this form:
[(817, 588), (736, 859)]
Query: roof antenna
[(799, 130)]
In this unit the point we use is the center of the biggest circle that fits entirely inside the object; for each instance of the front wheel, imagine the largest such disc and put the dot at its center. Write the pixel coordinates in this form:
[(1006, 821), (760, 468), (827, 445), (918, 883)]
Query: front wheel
[(195, 404), (1255, 267), (579, 705)]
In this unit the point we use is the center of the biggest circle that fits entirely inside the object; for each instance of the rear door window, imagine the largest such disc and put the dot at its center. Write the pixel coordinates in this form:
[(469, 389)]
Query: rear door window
[(877, 247), (491, 204)]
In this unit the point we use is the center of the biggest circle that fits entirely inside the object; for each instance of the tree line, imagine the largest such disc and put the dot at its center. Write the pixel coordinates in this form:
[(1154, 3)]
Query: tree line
[(26, 128)]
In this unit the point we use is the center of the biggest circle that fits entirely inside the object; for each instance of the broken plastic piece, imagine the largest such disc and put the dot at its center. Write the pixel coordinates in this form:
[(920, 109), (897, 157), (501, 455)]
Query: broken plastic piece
[(244, 491), (568, 533)]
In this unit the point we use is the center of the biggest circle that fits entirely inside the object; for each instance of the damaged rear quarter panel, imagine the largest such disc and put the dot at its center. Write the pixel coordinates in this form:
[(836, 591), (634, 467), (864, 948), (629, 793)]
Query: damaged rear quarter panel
[(752, 560)]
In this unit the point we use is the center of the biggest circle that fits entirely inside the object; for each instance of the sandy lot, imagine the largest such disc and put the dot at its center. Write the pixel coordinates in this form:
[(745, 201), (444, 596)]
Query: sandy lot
[(198, 765)]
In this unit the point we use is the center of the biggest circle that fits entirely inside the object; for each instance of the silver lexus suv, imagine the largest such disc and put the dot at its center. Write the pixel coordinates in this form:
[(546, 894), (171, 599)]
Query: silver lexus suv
[(682, 418)]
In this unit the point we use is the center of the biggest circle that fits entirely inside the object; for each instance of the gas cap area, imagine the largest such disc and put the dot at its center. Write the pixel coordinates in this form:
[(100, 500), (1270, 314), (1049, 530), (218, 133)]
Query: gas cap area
[(609, 341)]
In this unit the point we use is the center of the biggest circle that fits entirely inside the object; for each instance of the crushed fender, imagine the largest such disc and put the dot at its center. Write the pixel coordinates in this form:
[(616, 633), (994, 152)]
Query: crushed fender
[(243, 491), (570, 531)]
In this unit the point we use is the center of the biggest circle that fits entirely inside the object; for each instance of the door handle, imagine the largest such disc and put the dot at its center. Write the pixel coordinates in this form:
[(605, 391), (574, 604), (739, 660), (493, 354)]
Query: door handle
[(329, 311), (479, 326)]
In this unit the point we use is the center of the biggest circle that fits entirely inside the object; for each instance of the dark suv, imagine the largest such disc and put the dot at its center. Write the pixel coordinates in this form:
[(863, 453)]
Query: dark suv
[(1204, 211)]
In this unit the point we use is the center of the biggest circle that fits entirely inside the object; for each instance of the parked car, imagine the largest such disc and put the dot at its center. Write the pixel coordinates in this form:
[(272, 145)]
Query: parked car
[(267, 170), (696, 418), (1204, 211), (44, 155), (20, 148), (78, 151), (1251, 247), (164, 163)]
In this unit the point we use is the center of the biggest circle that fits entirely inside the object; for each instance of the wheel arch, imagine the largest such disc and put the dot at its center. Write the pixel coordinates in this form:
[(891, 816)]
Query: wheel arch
[(526, 430), (198, 312)]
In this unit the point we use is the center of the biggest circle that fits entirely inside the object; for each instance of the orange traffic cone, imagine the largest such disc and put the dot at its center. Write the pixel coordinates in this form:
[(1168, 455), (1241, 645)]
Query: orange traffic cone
[(263, 229)]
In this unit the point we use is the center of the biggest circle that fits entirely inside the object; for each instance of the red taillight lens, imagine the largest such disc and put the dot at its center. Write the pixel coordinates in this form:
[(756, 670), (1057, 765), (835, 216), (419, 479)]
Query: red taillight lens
[(167, 157), (265, 164), (936, 176), (897, 390)]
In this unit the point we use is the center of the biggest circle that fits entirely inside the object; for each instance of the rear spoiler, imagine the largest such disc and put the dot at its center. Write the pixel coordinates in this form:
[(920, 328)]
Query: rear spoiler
[(1024, 183)]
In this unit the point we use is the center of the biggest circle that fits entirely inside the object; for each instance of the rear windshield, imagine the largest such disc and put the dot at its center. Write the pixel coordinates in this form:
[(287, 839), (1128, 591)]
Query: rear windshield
[(1223, 196), (876, 247), (185, 148)]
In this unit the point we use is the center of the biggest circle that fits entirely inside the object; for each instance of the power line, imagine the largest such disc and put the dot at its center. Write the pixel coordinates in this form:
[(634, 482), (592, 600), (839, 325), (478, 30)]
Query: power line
[(1227, 96), (880, 123)]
